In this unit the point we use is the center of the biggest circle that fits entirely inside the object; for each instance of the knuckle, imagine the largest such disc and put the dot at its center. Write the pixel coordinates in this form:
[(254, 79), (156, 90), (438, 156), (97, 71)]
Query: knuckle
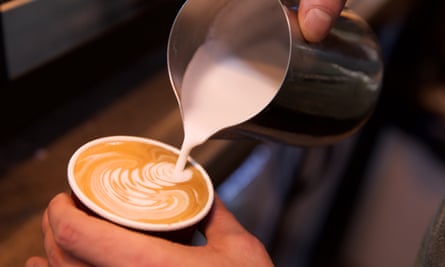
[(65, 233), (64, 229)]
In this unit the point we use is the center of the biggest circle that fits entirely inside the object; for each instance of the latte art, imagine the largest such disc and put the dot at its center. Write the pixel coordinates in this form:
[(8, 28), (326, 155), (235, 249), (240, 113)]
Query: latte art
[(137, 181)]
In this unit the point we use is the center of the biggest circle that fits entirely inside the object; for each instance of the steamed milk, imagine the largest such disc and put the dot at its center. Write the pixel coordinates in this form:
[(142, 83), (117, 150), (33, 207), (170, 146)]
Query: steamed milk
[(235, 73), (134, 180), (221, 89)]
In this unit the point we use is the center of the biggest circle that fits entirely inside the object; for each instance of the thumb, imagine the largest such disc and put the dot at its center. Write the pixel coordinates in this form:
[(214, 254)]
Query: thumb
[(220, 223), (316, 17)]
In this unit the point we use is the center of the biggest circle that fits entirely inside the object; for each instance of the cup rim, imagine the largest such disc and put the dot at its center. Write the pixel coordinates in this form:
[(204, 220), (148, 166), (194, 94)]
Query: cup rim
[(144, 226)]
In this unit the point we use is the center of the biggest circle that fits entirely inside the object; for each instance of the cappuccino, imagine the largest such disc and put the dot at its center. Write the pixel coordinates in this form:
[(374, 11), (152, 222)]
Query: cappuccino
[(132, 181)]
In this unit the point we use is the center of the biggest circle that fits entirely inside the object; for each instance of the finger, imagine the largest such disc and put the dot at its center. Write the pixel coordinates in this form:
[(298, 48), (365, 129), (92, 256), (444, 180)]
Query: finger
[(45, 224), (316, 17), (36, 262), (56, 255), (101, 243), (227, 237), (221, 222)]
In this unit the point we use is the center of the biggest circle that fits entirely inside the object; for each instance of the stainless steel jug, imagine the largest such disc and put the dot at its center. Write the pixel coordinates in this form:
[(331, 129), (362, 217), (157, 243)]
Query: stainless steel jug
[(329, 89)]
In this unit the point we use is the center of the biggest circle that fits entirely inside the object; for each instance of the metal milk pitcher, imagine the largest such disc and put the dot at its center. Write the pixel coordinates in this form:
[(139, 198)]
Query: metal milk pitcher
[(329, 89)]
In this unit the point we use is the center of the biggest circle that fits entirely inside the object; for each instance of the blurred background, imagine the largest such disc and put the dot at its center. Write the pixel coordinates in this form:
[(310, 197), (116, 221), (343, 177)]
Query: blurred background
[(73, 70)]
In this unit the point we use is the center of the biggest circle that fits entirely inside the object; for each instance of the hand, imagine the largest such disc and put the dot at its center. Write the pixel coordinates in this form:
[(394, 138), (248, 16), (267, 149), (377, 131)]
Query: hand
[(72, 238), (316, 17)]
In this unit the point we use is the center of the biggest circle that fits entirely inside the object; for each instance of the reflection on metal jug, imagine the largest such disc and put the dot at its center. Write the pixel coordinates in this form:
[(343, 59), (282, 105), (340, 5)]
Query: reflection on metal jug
[(328, 90)]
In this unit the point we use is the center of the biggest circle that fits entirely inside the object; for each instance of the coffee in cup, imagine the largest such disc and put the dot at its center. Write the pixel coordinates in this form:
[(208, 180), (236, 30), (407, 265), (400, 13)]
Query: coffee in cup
[(131, 181)]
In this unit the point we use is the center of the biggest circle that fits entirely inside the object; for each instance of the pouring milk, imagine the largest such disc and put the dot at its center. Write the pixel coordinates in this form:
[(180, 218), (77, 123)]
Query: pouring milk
[(220, 90), (231, 77)]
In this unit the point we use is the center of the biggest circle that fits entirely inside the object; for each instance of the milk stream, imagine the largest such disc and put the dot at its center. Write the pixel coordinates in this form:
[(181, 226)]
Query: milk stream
[(221, 89)]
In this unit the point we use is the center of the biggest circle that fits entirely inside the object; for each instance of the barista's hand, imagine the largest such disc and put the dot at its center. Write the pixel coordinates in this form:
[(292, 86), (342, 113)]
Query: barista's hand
[(72, 238), (316, 17)]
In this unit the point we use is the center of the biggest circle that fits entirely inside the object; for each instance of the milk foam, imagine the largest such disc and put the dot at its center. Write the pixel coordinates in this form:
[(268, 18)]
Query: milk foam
[(142, 193), (136, 181)]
